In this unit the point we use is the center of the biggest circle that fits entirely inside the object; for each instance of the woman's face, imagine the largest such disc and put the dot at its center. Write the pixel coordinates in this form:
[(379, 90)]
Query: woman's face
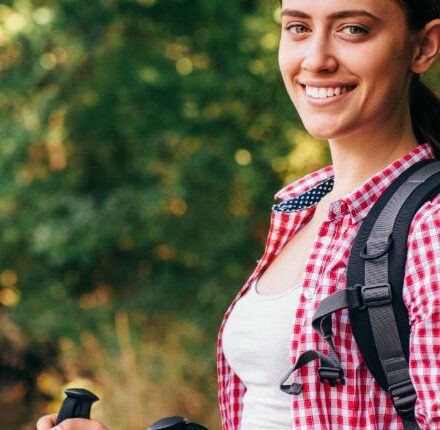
[(346, 64)]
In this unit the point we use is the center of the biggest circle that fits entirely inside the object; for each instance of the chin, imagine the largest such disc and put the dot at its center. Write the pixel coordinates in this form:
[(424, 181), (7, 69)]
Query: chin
[(321, 132), (326, 128), (320, 135)]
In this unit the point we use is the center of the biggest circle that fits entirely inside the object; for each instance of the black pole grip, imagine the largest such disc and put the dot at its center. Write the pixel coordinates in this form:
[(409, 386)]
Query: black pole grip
[(169, 423), (175, 423), (77, 404)]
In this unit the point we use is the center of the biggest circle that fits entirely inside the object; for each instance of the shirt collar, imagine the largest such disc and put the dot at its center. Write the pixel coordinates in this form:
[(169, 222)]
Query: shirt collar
[(358, 202)]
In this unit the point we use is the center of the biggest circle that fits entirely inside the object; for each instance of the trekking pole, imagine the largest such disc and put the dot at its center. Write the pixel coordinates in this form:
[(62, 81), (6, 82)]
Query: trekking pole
[(175, 423), (79, 401), (77, 404)]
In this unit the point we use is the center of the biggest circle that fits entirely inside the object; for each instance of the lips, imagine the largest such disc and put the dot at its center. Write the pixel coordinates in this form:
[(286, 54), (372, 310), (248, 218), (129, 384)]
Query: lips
[(325, 84)]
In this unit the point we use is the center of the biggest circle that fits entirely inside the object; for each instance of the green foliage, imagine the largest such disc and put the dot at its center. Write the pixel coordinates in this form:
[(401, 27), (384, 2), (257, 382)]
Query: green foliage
[(136, 141), (141, 143)]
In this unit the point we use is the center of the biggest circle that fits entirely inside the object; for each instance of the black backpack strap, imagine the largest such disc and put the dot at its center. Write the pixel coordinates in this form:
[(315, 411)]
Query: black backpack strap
[(373, 296), (375, 277)]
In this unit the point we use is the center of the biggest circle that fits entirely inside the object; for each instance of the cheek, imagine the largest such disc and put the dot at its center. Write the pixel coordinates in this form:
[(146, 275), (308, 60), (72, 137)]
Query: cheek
[(287, 60), (387, 61), (282, 61)]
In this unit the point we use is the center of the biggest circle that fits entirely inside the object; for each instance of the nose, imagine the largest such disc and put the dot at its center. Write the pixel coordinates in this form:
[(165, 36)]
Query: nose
[(318, 57)]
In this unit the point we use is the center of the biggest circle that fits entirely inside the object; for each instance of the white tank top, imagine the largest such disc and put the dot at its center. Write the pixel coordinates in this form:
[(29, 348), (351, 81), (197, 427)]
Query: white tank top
[(256, 343)]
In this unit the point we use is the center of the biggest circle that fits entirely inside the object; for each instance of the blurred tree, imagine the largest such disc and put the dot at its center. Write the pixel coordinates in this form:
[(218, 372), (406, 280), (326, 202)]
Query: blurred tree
[(137, 140), (141, 143)]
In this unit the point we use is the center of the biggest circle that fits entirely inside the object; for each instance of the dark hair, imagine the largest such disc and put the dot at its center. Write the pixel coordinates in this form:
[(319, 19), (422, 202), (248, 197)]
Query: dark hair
[(424, 104)]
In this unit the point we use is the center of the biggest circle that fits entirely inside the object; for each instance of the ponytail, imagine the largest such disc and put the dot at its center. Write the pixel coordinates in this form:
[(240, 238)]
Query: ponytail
[(425, 114), (424, 104)]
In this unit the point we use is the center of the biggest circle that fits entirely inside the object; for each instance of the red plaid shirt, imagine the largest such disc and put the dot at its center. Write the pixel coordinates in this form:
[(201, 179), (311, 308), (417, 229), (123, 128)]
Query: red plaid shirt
[(360, 403)]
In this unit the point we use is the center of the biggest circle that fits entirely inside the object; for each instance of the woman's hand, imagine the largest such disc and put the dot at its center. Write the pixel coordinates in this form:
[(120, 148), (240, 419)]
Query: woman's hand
[(48, 423)]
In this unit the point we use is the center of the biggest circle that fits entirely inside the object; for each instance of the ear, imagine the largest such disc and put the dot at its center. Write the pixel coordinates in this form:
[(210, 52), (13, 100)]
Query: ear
[(427, 48)]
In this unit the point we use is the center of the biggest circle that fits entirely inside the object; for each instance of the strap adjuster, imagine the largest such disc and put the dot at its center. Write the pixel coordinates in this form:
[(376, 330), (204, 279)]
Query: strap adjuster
[(363, 254), (363, 296), (331, 374), (403, 396), (376, 295)]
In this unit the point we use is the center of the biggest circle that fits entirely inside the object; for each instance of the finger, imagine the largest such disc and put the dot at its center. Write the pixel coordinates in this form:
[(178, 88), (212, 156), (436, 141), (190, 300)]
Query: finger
[(46, 422), (80, 424)]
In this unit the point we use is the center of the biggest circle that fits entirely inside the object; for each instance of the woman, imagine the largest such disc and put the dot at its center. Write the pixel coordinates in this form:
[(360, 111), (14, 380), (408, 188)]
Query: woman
[(351, 70)]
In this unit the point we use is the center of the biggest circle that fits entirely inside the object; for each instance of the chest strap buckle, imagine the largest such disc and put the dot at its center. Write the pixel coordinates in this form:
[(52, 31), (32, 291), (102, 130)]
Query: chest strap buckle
[(331, 374)]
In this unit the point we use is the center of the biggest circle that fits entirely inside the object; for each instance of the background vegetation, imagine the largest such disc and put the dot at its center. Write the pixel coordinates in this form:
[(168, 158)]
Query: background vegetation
[(141, 143)]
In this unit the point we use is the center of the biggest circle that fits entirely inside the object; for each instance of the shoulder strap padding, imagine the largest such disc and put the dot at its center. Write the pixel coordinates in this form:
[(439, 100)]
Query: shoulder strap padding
[(359, 319)]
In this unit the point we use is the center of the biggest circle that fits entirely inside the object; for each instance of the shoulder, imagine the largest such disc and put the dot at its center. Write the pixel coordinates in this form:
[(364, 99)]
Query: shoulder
[(426, 223), (423, 246), (421, 291)]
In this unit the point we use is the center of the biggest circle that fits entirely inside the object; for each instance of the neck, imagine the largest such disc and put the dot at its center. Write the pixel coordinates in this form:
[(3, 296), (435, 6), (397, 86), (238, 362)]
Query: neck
[(359, 156)]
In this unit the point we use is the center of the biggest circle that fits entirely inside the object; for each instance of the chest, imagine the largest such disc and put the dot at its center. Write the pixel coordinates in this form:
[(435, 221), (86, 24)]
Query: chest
[(288, 267)]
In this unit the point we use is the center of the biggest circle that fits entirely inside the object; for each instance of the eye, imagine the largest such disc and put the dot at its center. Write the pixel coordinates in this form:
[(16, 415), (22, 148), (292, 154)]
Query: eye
[(296, 28), (355, 29)]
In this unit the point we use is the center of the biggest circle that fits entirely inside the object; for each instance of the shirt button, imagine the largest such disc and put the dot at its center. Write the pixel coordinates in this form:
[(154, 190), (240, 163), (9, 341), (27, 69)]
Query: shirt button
[(337, 208), (308, 294)]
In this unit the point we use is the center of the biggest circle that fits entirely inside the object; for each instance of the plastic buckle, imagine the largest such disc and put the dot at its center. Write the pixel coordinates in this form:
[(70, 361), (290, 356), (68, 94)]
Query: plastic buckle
[(331, 374), (362, 296), (403, 397), (354, 297), (363, 254), (380, 294)]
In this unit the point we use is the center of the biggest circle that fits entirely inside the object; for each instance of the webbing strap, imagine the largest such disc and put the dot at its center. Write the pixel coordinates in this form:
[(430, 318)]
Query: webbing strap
[(327, 367), (410, 423), (330, 368)]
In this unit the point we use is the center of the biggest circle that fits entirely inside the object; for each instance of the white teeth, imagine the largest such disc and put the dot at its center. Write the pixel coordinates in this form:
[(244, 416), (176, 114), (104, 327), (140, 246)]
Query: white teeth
[(323, 93)]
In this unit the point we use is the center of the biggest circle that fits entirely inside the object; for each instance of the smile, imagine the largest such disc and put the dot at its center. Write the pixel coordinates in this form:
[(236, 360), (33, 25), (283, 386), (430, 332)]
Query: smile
[(323, 95)]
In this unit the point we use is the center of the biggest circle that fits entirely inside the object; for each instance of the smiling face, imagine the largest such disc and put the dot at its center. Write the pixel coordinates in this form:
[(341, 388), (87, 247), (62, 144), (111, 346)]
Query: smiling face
[(346, 64)]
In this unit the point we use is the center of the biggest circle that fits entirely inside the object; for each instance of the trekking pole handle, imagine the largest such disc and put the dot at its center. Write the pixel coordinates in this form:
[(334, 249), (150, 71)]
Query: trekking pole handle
[(175, 423), (77, 404)]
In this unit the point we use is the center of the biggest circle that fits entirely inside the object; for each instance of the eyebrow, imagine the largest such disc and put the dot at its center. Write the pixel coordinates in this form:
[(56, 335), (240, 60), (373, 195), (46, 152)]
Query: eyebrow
[(336, 15)]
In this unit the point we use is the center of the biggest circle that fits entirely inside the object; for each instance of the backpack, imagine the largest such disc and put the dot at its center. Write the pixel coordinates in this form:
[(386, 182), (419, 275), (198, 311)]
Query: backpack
[(373, 293)]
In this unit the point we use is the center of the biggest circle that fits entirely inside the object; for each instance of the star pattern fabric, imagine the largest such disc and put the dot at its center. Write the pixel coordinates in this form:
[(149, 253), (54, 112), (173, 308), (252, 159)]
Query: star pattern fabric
[(307, 199)]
